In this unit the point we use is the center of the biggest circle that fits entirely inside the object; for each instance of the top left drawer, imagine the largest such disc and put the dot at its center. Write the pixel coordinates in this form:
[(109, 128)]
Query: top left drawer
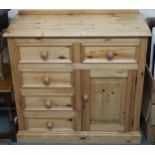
[(45, 54)]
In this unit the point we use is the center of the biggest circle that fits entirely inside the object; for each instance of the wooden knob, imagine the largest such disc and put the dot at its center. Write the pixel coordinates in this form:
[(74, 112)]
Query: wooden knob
[(48, 104), (49, 125), (85, 97), (110, 55), (46, 80), (44, 55)]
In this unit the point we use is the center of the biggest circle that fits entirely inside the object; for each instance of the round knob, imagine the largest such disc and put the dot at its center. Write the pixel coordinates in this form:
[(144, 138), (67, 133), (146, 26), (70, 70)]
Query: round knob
[(46, 80), (44, 55), (110, 55), (49, 125), (48, 104), (85, 97)]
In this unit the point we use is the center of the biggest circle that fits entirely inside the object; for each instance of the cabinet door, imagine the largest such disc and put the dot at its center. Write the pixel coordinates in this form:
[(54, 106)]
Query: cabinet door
[(107, 99)]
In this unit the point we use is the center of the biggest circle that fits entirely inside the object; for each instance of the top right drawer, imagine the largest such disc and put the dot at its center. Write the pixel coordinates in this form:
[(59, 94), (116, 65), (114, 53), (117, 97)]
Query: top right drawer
[(110, 54)]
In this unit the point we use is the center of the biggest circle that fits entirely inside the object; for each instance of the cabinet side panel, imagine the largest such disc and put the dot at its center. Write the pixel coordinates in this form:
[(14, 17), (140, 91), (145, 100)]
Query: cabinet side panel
[(14, 57), (139, 84)]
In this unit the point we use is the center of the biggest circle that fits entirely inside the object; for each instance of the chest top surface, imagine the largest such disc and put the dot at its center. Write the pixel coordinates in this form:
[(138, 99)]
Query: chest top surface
[(78, 23)]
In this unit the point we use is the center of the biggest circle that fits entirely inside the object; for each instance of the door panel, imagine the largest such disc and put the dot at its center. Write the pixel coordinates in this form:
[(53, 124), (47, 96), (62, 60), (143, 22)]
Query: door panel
[(105, 107), (106, 101)]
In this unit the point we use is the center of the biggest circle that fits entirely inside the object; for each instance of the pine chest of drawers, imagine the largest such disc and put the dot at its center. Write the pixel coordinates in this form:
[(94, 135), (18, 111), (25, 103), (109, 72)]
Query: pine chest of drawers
[(78, 75)]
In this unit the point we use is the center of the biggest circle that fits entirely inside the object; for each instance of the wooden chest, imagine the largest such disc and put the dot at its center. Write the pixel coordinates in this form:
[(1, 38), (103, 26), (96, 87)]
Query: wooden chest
[(78, 74)]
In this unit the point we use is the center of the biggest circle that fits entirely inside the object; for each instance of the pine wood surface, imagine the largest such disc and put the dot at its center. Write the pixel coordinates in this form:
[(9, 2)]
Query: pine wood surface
[(74, 24), (78, 74)]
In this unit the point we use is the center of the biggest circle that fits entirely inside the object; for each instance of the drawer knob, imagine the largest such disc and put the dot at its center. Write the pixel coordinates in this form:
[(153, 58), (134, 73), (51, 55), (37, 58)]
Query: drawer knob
[(46, 81), (48, 104), (110, 55), (49, 125), (44, 55), (85, 97)]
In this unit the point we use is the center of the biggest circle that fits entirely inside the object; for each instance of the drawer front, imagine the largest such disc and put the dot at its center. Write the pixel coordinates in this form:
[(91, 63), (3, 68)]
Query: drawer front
[(109, 54), (50, 124), (48, 102), (47, 79), (45, 54)]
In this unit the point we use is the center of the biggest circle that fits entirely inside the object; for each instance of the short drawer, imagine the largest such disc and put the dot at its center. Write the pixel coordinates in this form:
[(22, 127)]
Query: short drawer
[(109, 54), (45, 54), (47, 79), (50, 123), (48, 102)]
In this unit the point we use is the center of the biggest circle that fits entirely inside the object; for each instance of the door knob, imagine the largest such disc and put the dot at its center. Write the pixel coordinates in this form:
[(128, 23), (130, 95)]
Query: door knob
[(46, 80), (48, 104), (85, 97), (44, 55), (110, 55), (49, 125)]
